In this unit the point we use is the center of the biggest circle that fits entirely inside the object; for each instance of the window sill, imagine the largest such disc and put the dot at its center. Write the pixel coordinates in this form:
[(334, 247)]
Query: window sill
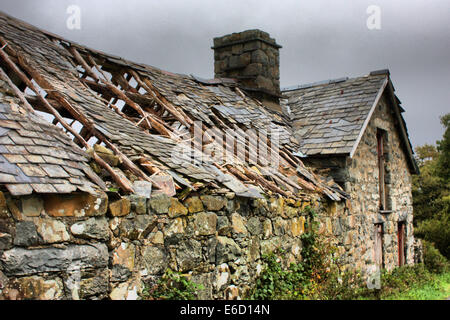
[(385, 211)]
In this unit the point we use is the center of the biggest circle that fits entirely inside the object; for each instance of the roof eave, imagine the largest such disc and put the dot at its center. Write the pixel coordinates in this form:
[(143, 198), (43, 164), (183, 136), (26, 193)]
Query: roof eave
[(403, 131)]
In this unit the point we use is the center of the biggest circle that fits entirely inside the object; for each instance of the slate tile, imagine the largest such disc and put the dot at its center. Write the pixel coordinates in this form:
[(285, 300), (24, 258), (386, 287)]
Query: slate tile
[(43, 188), (28, 133), (65, 188), (32, 170), (7, 178), (19, 189), (54, 171), (16, 149), (15, 158), (19, 140), (53, 160), (73, 171), (10, 124), (35, 158), (5, 140)]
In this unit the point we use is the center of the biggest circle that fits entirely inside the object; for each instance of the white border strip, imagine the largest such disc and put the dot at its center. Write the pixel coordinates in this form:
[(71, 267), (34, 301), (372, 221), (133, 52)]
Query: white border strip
[(366, 122)]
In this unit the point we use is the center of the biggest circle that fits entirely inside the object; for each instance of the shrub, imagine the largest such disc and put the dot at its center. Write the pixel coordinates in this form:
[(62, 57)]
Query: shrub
[(318, 276), (436, 230), (172, 286), (402, 278), (347, 285), (434, 261), (275, 282)]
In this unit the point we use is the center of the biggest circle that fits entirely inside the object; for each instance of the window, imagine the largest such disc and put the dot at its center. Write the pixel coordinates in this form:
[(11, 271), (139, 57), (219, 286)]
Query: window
[(378, 249), (401, 240), (383, 188)]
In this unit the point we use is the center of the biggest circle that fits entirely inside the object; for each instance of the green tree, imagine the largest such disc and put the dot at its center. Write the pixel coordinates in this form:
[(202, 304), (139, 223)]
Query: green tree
[(428, 186), (444, 151), (431, 195)]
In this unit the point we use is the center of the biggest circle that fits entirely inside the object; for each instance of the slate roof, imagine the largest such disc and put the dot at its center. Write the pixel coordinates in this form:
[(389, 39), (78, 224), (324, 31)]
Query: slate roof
[(150, 124), (327, 117), (38, 156)]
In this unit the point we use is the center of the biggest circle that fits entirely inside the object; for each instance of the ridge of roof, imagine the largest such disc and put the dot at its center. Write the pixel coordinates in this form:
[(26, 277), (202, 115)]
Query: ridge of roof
[(383, 72), (313, 84)]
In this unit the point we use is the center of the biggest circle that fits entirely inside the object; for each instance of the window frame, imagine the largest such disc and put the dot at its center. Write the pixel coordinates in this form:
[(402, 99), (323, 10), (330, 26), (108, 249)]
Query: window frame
[(383, 190)]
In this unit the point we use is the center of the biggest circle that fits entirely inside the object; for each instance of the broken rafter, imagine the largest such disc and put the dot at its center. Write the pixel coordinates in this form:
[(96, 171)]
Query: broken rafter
[(264, 183), (151, 122), (85, 134), (123, 183), (113, 88), (281, 182), (245, 177), (75, 114), (149, 166), (146, 84), (293, 161), (16, 90), (138, 98), (253, 141), (103, 89), (83, 63), (120, 79), (236, 172), (39, 106), (286, 180)]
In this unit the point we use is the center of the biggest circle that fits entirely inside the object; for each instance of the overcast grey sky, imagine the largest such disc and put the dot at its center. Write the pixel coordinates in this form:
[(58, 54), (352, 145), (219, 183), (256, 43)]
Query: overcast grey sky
[(321, 39)]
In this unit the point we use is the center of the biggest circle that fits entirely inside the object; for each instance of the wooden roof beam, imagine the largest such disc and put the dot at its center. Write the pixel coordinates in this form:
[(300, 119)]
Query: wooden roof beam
[(103, 89), (37, 104), (123, 183)]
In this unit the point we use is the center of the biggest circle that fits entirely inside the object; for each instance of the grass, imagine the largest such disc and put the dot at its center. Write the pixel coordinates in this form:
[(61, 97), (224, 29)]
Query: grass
[(437, 288)]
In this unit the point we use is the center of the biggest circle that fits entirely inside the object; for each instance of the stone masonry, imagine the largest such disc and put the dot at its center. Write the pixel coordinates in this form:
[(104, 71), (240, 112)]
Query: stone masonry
[(363, 187), (359, 176), (252, 57), (103, 250)]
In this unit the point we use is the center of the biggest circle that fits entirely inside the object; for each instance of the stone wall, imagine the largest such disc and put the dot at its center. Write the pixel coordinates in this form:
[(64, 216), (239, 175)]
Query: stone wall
[(80, 246), (252, 57), (331, 165), (359, 177), (363, 188)]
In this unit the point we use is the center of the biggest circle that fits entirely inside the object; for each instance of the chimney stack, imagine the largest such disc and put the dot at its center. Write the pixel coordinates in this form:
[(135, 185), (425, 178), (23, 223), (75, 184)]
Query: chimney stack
[(251, 57)]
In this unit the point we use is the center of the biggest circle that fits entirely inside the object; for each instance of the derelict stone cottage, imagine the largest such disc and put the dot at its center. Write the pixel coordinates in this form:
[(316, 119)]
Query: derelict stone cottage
[(349, 129), (107, 179), (354, 131)]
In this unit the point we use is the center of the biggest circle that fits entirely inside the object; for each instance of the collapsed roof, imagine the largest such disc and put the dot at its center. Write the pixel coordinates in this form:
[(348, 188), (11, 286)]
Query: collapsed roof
[(139, 112)]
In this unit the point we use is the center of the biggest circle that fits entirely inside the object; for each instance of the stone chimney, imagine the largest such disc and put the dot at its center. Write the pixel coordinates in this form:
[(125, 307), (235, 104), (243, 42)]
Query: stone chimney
[(253, 59)]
